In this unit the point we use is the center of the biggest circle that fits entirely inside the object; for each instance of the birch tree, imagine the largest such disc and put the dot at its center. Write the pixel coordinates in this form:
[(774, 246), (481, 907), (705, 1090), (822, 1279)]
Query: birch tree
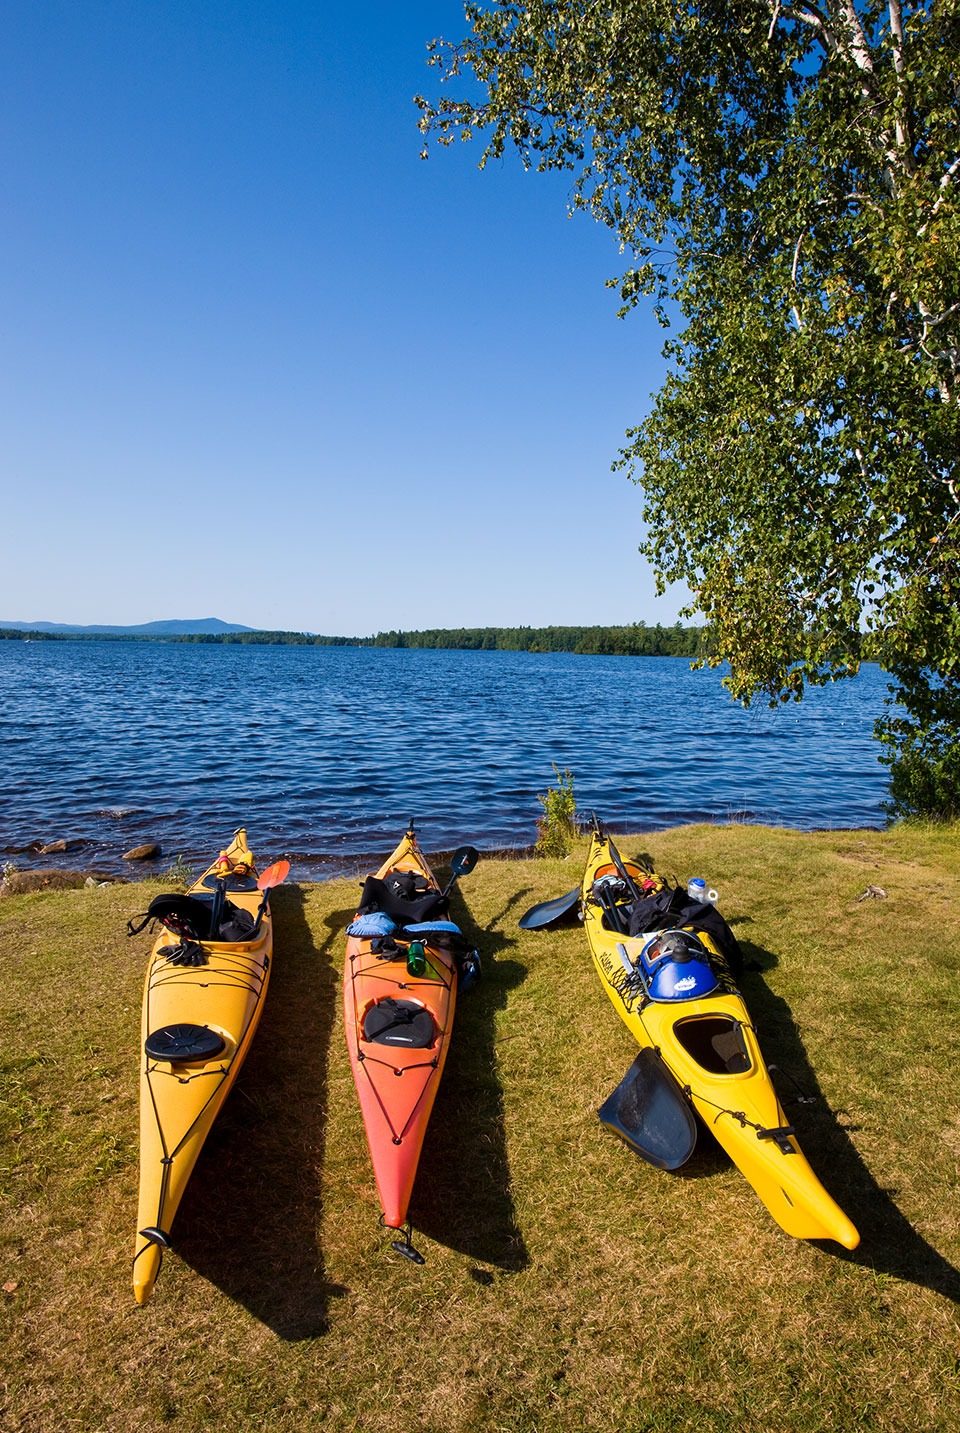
[(782, 176)]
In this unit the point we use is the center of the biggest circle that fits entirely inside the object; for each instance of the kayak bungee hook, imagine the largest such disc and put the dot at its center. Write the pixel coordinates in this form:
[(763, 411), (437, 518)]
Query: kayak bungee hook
[(155, 1238)]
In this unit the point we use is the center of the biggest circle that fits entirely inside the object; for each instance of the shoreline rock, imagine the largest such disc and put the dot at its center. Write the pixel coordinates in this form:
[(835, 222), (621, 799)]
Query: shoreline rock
[(148, 852), (22, 883)]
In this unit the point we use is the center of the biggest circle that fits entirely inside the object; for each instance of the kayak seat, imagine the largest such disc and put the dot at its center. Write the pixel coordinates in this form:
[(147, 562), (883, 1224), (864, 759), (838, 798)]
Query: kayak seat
[(190, 917), (399, 1022), (236, 924)]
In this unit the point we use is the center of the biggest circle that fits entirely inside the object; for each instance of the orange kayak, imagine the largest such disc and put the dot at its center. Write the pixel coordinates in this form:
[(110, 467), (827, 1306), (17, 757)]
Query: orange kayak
[(399, 996)]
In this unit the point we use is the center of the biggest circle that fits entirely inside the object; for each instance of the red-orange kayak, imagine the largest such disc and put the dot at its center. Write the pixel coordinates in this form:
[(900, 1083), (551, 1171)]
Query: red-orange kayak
[(399, 997)]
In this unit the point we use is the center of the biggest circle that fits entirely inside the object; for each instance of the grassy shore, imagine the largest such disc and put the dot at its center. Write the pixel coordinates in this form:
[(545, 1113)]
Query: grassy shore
[(568, 1285)]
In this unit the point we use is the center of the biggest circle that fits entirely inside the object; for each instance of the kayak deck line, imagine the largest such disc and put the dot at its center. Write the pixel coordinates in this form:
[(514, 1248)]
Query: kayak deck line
[(779, 1134), (230, 983), (398, 1138)]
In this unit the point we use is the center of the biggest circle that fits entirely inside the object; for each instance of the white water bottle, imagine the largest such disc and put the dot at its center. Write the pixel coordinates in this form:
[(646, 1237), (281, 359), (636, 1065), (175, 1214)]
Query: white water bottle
[(697, 889)]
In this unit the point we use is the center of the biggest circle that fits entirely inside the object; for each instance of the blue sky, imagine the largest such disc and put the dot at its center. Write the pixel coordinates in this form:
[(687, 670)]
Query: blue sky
[(260, 361)]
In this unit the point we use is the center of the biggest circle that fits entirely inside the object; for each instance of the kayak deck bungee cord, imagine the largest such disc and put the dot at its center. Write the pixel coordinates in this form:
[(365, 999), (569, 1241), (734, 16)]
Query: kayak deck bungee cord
[(203, 995), (403, 965)]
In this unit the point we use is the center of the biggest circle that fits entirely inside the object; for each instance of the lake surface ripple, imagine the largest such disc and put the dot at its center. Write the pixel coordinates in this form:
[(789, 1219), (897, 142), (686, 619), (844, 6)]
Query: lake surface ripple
[(326, 752)]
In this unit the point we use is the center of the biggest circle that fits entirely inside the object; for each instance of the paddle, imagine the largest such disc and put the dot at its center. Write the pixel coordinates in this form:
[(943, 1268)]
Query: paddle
[(624, 873), (216, 912), (614, 914), (461, 864), (548, 911), (648, 1111), (274, 875)]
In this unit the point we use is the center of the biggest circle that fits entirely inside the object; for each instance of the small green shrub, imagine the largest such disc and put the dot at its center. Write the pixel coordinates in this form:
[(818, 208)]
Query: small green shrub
[(179, 874), (557, 827), (925, 786), (920, 736)]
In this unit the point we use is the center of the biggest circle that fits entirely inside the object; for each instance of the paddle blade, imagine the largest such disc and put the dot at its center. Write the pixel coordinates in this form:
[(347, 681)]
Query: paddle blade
[(463, 860), (462, 863), (548, 911), (274, 875), (649, 1112)]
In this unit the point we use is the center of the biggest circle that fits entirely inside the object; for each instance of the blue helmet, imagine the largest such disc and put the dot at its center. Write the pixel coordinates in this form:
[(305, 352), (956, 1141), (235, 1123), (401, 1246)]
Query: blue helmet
[(677, 966)]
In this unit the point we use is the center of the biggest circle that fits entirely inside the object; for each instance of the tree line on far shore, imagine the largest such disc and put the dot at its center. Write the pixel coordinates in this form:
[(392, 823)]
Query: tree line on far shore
[(633, 640)]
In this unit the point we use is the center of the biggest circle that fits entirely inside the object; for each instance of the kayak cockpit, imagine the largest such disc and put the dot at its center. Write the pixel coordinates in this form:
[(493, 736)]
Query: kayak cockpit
[(403, 896), (715, 1042), (627, 900), (199, 917)]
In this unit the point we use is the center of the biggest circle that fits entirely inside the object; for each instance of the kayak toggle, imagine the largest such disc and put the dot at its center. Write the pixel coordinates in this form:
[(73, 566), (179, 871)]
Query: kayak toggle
[(156, 1236), (405, 1247)]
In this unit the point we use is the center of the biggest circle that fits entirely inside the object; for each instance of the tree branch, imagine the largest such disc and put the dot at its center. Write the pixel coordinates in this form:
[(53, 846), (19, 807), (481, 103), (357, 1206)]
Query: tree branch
[(946, 179), (796, 257), (810, 15), (896, 30), (857, 47)]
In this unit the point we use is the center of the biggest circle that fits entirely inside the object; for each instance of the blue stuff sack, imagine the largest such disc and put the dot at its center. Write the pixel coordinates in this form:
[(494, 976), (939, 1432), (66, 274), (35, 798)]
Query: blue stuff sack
[(374, 923)]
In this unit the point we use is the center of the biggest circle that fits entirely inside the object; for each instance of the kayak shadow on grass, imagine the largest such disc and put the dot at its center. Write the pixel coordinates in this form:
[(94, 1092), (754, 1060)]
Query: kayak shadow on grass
[(462, 1197), (889, 1244), (250, 1216)]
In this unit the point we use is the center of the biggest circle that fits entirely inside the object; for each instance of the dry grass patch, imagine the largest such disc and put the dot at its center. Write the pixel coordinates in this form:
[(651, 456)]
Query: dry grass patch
[(568, 1286)]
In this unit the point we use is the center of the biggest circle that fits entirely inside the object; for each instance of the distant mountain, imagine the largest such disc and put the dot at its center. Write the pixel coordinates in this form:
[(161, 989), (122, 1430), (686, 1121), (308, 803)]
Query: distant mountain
[(146, 629)]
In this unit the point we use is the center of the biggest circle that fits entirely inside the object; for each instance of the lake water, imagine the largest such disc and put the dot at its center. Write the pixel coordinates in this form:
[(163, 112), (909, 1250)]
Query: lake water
[(325, 753)]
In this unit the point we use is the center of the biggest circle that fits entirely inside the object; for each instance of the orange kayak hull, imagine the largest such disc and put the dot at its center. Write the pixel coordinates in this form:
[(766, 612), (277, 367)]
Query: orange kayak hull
[(397, 1086)]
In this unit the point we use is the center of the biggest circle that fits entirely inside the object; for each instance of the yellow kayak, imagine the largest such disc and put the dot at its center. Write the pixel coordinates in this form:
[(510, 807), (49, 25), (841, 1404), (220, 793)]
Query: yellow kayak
[(673, 990), (201, 1004)]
